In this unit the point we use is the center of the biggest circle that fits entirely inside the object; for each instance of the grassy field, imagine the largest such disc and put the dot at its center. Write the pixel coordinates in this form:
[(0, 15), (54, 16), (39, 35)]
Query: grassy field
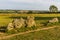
[(36, 15), (51, 34), (7, 18)]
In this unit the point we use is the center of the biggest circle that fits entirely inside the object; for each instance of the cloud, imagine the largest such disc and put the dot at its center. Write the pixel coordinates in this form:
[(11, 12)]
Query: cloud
[(28, 4), (23, 1)]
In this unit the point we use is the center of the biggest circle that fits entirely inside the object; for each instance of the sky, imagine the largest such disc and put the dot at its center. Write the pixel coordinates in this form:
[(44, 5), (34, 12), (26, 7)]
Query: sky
[(28, 4)]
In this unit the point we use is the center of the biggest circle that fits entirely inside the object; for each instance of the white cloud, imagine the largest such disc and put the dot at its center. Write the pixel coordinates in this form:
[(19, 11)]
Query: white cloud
[(29, 4), (23, 1)]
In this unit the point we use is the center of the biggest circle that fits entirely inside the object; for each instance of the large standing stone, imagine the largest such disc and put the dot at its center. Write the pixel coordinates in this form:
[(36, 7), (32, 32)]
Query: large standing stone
[(18, 23), (30, 21), (15, 23)]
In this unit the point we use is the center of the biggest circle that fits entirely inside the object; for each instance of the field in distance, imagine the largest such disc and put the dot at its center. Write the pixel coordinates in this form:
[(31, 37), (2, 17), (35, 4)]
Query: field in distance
[(7, 18)]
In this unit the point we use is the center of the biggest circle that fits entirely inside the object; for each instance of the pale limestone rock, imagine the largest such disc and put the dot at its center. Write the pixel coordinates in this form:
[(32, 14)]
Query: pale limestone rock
[(18, 23), (10, 26), (30, 21), (54, 20)]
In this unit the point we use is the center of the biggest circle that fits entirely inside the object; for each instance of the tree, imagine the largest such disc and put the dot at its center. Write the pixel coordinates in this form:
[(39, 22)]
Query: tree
[(53, 8)]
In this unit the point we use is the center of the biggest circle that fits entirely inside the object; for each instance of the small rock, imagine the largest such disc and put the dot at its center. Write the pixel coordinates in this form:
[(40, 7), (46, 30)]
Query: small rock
[(54, 20)]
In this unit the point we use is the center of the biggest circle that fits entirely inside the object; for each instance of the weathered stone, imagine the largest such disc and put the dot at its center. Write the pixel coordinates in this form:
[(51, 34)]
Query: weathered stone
[(15, 23), (54, 20), (10, 26), (18, 23), (30, 21)]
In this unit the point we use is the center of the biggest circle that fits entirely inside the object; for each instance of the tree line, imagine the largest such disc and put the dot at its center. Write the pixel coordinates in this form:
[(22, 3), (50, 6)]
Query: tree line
[(52, 9)]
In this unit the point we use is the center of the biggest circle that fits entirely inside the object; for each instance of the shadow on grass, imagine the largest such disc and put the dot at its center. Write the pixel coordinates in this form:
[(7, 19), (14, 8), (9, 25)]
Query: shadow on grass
[(17, 17), (3, 29), (36, 18)]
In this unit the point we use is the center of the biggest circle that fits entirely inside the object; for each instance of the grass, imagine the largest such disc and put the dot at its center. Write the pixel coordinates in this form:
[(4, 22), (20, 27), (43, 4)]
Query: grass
[(7, 18), (22, 29), (51, 34), (39, 18), (35, 15)]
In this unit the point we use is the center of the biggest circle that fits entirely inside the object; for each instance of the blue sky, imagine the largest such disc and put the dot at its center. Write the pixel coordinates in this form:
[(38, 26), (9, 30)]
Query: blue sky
[(28, 4)]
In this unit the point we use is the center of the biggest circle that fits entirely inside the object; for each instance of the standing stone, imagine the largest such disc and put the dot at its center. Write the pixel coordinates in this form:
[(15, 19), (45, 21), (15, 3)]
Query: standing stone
[(15, 23), (18, 23), (30, 21)]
